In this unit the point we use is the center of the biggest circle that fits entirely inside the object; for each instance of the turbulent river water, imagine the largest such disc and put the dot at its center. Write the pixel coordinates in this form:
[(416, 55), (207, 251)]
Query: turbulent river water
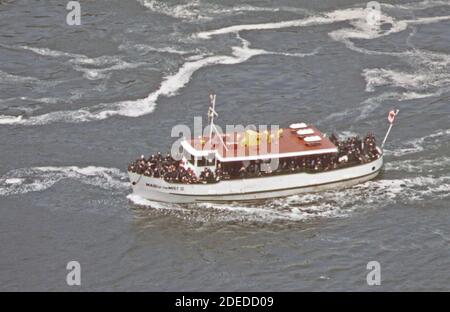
[(77, 103)]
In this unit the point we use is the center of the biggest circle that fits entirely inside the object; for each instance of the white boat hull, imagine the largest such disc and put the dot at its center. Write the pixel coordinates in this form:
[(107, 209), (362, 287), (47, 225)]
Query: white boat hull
[(253, 188)]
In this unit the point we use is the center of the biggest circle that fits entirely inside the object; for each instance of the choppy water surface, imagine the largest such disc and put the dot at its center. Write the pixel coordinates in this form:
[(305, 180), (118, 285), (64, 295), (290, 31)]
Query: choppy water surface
[(78, 102)]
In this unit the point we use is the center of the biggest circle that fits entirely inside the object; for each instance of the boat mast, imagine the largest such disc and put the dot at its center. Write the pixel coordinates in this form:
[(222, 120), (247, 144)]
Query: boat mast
[(211, 113)]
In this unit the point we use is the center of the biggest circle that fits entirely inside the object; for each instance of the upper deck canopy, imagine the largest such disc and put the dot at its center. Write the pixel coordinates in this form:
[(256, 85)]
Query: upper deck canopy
[(251, 145)]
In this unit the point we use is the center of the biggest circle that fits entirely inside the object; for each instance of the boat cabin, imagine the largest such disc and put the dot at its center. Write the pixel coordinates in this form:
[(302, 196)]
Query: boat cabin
[(251, 148)]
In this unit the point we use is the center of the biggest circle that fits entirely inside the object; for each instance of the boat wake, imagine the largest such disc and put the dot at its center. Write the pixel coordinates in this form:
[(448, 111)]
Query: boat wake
[(331, 204), (437, 165), (433, 183), (36, 179)]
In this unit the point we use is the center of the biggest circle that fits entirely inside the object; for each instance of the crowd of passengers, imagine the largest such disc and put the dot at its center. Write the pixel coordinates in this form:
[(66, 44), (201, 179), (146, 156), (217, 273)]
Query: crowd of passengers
[(168, 168), (354, 149), (351, 151)]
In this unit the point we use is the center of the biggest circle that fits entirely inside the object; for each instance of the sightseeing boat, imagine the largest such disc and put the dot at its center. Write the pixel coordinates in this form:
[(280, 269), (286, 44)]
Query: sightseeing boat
[(251, 165)]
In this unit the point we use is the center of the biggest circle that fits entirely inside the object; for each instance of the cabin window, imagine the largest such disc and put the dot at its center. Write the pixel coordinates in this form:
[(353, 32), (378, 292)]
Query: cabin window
[(201, 162), (206, 161), (211, 160)]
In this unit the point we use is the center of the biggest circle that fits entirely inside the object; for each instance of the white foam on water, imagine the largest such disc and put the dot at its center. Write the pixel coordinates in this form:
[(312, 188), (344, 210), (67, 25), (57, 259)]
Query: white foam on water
[(140, 201), (428, 20), (51, 100), (27, 108), (419, 165), (316, 20), (380, 77), (412, 189), (7, 77), (170, 85), (52, 53), (430, 77), (80, 61), (145, 48), (373, 103), (431, 141), (35, 179), (356, 16), (101, 73), (204, 11), (364, 30), (418, 82), (327, 204), (361, 30), (14, 181), (13, 79), (109, 63), (246, 45), (419, 85), (431, 68), (197, 57), (416, 5), (406, 190), (143, 202), (8, 120), (183, 11), (410, 95), (46, 100), (298, 54), (431, 73)]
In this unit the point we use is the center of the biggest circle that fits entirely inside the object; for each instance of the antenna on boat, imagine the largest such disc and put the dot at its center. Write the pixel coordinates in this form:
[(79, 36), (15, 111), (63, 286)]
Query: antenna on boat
[(391, 118), (211, 113)]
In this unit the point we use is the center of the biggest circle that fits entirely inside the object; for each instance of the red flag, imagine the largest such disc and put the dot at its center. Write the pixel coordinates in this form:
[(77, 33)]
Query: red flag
[(392, 115)]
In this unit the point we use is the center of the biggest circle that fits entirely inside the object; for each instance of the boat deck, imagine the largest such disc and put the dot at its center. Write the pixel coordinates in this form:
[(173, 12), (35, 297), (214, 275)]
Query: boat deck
[(287, 144)]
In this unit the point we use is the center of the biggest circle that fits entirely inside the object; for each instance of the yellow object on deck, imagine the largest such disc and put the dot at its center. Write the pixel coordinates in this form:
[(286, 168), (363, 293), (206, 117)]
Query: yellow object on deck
[(253, 138)]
